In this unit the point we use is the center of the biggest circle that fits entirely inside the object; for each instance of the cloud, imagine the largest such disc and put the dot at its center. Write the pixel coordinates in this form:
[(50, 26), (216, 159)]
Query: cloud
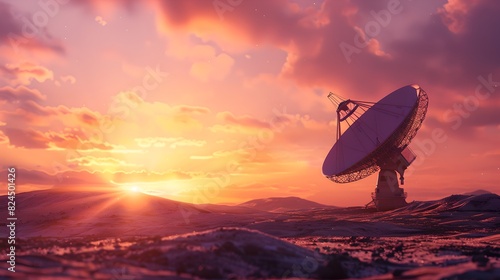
[(176, 120), (311, 35), (235, 124), (3, 138), (83, 126), (173, 142), (24, 73), (206, 63), (244, 22), (25, 109), (468, 117), (77, 140), (7, 22), (217, 68), (200, 157), (20, 94), (17, 31), (246, 121), (26, 138), (100, 21), (34, 139), (68, 79), (455, 12), (130, 98), (92, 161), (31, 113), (188, 143), (157, 142), (106, 8), (60, 179), (87, 117), (27, 124), (434, 52)]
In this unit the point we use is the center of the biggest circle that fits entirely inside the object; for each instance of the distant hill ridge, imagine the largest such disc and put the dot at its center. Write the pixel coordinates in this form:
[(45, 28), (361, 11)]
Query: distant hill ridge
[(485, 202), (282, 203), (477, 192)]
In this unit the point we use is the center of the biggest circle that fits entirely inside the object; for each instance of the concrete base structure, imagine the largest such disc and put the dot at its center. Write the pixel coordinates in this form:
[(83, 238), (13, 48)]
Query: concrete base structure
[(388, 195)]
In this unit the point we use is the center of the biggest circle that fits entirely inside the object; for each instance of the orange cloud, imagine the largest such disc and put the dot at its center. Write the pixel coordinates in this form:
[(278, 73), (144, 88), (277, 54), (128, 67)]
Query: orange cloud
[(217, 68), (454, 14), (174, 142), (244, 124), (261, 21), (29, 138), (98, 162), (101, 21), (206, 63), (3, 138), (24, 110), (196, 110), (34, 139)]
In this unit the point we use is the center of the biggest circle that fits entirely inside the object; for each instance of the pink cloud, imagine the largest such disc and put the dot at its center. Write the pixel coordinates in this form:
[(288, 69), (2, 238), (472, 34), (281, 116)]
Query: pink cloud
[(20, 94), (25, 108), (455, 14), (430, 54), (34, 139), (24, 111), (20, 32), (29, 138), (68, 79), (244, 121), (24, 73), (184, 109)]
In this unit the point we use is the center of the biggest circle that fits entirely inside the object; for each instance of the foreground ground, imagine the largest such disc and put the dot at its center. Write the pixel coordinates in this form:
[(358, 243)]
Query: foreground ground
[(457, 237)]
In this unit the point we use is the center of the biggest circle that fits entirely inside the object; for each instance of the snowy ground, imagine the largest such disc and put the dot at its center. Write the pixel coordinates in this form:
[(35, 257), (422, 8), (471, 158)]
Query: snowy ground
[(96, 236)]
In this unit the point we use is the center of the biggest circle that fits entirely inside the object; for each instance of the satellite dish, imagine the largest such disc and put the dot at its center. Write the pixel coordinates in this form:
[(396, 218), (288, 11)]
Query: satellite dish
[(374, 137)]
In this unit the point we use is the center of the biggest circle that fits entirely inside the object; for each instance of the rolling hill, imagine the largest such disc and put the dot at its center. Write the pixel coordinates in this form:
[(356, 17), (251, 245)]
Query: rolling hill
[(279, 204)]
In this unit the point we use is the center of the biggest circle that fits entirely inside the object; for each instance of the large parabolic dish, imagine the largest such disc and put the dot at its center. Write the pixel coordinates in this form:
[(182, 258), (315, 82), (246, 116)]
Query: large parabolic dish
[(376, 132)]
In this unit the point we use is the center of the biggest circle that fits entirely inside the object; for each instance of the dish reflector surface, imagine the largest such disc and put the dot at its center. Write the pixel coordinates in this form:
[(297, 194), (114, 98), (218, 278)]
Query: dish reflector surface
[(387, 125)]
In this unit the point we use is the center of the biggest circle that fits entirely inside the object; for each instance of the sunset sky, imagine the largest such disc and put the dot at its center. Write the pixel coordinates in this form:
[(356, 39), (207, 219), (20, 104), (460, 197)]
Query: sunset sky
[(225, 101)]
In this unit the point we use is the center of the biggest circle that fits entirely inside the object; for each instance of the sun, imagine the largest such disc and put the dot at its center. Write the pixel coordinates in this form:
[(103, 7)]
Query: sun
[(134, 189)]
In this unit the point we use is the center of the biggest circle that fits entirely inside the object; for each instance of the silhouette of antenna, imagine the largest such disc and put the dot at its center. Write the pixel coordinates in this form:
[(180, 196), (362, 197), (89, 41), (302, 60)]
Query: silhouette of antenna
[(374, 137)]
